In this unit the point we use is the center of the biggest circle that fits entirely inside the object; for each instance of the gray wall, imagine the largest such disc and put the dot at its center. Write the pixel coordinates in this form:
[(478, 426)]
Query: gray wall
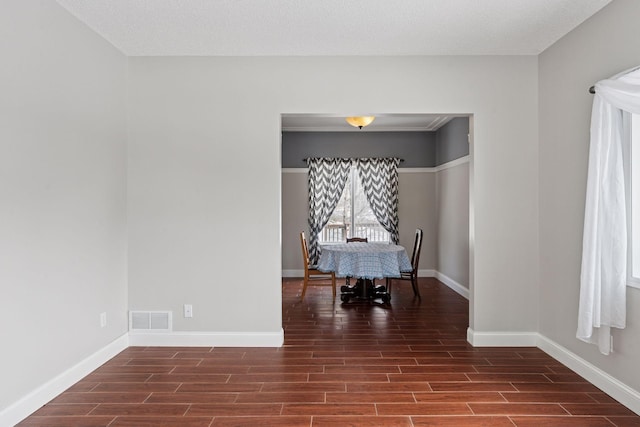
[(62, 196), (418, 149), (604, 45), (452, 140)]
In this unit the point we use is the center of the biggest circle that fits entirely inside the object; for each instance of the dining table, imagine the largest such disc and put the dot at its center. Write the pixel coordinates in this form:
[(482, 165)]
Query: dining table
[(365, 261)]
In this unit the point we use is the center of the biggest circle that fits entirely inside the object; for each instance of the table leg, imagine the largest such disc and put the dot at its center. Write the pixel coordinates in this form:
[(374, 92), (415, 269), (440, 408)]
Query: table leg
[(364, 289)]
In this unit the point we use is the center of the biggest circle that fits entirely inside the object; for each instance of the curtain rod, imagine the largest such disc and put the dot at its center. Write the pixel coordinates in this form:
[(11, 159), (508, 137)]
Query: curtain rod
[(592, 89)]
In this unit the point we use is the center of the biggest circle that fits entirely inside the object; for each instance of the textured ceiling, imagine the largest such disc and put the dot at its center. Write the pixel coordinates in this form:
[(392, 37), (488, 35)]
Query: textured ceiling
[(332, 27)]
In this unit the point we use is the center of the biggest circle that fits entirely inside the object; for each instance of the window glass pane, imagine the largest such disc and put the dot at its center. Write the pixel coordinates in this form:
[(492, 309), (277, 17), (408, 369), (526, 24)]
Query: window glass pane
[(366, 224), (353, 200)]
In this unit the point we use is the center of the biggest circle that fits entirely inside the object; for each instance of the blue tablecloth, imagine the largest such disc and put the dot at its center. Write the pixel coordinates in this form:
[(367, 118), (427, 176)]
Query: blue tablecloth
[(364, 260)]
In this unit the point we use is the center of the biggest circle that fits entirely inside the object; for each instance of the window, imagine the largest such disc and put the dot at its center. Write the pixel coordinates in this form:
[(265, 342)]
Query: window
[(353, 216), (634, 222)]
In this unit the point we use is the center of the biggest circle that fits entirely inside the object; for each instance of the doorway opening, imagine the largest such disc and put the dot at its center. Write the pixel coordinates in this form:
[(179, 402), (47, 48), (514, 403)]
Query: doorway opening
[(435, 184)]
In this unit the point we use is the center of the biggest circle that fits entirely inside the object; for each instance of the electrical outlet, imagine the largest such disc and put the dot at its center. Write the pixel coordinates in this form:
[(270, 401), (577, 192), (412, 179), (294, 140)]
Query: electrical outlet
[(188, 310), (103, 319)]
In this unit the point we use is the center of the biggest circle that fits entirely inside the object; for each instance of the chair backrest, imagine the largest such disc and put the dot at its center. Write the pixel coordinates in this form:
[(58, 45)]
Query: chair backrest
[(305, 250), (357, 239), (417, 245)]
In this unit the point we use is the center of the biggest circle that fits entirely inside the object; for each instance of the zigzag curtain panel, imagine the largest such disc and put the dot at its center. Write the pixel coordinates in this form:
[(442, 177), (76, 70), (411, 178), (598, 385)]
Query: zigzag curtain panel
[(327, 178), (379, 178)]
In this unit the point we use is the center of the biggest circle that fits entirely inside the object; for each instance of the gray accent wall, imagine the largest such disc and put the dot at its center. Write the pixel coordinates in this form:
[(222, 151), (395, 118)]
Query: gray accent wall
[(452, 140), (418, 149)]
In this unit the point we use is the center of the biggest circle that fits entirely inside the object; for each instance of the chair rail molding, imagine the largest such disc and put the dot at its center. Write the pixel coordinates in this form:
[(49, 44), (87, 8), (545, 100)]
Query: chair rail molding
[(451, 164)]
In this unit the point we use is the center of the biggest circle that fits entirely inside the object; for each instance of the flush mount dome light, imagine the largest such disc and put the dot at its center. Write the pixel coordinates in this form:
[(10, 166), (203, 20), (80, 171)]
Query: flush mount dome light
[(360, 121)]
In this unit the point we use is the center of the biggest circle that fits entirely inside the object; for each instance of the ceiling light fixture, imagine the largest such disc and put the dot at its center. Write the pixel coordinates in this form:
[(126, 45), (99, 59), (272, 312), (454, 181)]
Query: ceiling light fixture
[(360, 121)]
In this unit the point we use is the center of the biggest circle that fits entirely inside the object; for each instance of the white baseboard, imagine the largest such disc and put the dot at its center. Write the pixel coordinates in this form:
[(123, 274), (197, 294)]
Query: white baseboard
[(208, 339), (292, 273), (48, 391), (621, 392), (52, 388), (457, 287), (610, 385), (502, 339)]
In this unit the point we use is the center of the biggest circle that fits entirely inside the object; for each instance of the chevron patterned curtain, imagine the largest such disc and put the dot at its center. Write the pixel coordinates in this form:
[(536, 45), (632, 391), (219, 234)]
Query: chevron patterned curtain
[(379, 178), (327, 178)]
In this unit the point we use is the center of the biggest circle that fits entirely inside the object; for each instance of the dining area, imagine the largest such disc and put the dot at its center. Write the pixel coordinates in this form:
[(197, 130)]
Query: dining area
[(356, 228), (363, 265), (415, 222)]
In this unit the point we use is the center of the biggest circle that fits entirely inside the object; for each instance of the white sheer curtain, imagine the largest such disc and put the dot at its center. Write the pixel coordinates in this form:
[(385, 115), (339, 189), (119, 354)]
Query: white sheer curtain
[(603, 276)]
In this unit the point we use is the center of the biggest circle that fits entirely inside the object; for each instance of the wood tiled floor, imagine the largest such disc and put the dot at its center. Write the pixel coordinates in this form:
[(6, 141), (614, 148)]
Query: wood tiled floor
[(356, 364)]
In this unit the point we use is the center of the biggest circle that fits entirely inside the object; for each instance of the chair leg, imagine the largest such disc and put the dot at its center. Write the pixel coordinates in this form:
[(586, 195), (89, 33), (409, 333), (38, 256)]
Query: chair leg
[(304, 286), (333, 284), (414, 284), (389, 285)]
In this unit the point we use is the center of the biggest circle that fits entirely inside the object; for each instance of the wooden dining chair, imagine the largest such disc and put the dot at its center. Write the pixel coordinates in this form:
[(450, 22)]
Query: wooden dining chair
[(415, 260), (350, 240), (311, 272)]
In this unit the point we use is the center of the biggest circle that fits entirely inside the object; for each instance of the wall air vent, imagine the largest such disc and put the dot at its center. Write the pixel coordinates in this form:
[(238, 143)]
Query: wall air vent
[(150, 321)]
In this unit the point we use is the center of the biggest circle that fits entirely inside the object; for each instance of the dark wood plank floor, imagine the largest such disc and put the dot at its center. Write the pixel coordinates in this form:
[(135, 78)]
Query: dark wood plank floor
[(356, 364)]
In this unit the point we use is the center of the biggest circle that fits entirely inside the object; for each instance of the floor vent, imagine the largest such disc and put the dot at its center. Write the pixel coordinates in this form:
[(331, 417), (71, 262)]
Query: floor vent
[(150, 321)]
